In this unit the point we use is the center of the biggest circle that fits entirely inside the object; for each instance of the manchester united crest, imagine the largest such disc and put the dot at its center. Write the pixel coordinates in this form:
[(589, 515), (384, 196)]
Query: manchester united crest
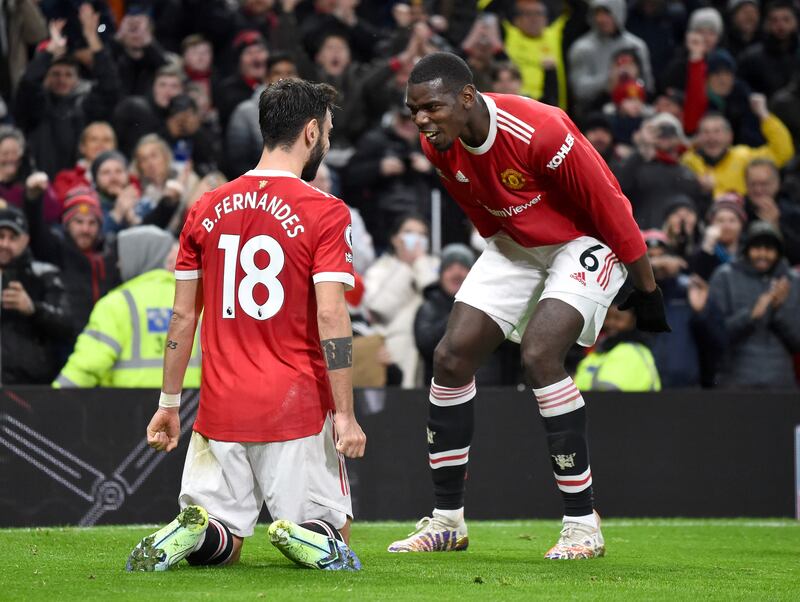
[(512, 179)]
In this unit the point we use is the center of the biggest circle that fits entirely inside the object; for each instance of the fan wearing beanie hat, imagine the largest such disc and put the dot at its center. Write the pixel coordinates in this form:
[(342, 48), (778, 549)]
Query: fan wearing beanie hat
[(82, 217)]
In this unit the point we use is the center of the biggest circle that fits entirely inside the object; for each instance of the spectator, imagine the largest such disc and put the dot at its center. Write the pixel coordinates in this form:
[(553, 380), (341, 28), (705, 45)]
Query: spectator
[(35, 317), (744, 20), (712, 85), (760, 299), (13, 169), (482, 47), (334, 66), (117, 193), (188, 138), (627, 110), (670, 101), (394, 285), (681, 226), (506, 79), (534, 45), (275, 20), (96, 138), (251, 71), (726, 221), (23, 25), (137, 54), (384, 83), (123, 343), (621, 360), (86, 258), (652, 176), (765, 202), (784, 105), (590, 57), (198, 62), (719, 166), (339, 17), (164, 189), (243, 140), (363, 249), (597, 129), (687, 356), (707, 24), (769, 66), (659, 23), (139, 115), (430, 321), (54, 105), (388, 175)]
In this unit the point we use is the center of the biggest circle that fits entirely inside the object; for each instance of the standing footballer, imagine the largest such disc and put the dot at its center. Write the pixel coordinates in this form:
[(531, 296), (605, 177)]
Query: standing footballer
[(561, 240), (266, 258)]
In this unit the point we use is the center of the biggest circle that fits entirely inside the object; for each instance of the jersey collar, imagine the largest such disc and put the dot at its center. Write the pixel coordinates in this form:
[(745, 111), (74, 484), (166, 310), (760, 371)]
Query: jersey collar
[(271, 173), (487, 144)]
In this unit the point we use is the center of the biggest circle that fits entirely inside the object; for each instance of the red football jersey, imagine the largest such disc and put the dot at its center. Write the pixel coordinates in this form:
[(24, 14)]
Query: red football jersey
[(260, 243), (538, 179)]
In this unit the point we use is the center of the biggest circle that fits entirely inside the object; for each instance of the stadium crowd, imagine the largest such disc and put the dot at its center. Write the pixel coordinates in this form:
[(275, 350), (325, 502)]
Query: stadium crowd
[(118, 115)]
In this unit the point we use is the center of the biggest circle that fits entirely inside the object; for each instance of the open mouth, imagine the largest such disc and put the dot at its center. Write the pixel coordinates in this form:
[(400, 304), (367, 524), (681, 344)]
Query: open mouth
[(431, 136)]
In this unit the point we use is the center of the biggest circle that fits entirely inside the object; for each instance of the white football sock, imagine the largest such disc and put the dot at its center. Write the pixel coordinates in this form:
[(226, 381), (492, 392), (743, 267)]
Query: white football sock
[(589, 520), (452, 516)]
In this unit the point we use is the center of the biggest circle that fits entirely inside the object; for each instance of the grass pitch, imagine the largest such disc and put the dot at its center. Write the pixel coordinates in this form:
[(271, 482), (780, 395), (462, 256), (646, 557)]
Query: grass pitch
[(647, 560)]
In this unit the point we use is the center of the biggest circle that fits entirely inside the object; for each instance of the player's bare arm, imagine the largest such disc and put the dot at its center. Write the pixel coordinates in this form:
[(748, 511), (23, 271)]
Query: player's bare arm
[(164, 428), (336, 335)]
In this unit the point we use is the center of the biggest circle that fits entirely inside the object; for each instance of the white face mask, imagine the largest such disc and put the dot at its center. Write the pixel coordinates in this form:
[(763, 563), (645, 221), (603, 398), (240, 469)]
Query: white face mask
[(412, 240)]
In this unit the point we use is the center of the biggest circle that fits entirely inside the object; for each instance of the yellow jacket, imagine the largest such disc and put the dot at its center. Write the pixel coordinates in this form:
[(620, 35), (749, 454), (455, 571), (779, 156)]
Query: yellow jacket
[(627, 367), (527, 53), (729, 172), (123, 343)]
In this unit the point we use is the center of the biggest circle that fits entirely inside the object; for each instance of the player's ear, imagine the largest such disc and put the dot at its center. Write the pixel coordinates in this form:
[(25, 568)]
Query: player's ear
[(312, 131), (468, 96)]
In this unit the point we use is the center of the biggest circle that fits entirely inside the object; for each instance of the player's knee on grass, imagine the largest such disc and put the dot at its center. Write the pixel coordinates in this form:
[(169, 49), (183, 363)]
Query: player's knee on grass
[(218, 547)]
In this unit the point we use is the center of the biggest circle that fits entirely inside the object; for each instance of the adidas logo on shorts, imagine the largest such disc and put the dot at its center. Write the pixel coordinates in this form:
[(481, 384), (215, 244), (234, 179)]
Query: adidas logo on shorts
[(580, 277)]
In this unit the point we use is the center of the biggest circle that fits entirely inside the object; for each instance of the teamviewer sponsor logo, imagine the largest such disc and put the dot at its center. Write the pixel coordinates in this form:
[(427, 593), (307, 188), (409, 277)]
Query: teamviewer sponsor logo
[(559, 157), (513, 210)]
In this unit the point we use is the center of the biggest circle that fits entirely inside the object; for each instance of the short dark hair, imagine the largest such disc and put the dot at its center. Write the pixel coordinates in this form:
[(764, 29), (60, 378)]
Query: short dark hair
[(280, 57), (399, 221), (780, 5), (450, 68), (285, 107)]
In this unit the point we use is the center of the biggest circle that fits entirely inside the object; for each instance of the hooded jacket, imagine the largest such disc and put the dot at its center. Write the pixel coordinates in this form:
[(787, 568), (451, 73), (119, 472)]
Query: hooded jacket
[(759, 350), (590, 56)]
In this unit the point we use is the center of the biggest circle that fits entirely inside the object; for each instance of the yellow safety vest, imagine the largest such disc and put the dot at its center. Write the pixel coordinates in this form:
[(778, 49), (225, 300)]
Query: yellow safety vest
[(123, 343)]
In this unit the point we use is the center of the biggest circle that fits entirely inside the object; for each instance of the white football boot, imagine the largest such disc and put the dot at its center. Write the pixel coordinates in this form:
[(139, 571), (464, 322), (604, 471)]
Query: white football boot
[(578, 541)]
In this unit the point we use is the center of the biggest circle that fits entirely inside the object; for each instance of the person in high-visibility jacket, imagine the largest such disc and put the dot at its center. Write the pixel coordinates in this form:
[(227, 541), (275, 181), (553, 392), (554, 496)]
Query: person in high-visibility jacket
[(620, 361), (123, 343)]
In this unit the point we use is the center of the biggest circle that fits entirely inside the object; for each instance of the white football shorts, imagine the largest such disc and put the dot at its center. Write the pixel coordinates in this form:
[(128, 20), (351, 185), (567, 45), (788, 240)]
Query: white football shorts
[(298, 480), (508, 281)]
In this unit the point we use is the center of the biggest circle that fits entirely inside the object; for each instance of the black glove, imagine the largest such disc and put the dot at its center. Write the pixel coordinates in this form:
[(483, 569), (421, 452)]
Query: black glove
[(649, 310)]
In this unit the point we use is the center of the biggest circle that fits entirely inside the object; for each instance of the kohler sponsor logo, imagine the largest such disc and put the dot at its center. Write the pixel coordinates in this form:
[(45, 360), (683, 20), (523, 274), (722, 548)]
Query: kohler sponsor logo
[(558, 158)]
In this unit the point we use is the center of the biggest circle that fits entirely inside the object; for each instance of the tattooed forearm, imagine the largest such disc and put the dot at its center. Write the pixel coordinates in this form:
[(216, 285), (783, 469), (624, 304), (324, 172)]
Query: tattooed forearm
[(338, 352), (172, 344)]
